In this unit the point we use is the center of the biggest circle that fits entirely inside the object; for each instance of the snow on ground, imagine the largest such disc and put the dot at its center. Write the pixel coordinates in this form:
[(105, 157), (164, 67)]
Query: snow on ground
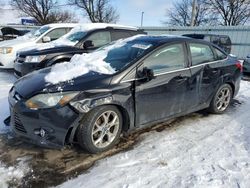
[(6, 82), (212, 151), (11, 173)]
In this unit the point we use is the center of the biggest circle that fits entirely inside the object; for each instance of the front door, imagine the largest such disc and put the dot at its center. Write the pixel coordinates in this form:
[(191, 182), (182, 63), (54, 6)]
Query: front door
[(168, 93)]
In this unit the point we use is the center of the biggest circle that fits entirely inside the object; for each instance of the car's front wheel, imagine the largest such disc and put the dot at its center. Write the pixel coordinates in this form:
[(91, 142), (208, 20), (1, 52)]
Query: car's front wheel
[(221, 99), (100, 129)]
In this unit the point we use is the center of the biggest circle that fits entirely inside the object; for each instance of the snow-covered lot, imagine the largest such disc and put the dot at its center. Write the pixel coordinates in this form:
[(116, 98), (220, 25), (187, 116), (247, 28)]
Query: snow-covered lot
[(197, 151)]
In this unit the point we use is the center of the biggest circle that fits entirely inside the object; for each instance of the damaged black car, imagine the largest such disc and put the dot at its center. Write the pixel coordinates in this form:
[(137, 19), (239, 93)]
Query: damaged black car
[(127, 84)]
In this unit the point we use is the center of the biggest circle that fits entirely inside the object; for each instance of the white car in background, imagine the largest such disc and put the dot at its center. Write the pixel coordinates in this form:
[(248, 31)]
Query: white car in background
[(46, 33)]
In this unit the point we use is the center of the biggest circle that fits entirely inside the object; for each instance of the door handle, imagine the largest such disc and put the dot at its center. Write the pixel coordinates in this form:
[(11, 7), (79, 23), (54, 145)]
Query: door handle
[(181, 78), (215, 71)]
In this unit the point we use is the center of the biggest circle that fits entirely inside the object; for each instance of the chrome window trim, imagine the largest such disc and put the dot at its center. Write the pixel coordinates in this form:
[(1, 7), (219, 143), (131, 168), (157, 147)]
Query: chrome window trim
[(212, 62), (173, 71), (159, 74)]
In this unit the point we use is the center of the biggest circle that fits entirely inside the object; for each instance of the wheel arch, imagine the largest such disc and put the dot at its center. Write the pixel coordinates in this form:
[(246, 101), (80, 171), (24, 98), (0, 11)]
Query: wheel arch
[(71, 133)]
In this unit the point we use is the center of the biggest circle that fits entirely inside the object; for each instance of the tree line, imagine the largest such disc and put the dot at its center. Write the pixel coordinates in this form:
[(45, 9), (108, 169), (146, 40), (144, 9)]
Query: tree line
[(205, 12)]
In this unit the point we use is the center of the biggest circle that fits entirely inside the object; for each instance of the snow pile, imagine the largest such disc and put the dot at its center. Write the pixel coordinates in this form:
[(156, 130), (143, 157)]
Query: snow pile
[(82, 64), (200, 151), (6, 82), (12, 175)]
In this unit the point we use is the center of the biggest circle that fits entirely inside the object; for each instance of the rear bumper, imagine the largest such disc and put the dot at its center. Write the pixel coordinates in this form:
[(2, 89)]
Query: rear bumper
[(237, 85)]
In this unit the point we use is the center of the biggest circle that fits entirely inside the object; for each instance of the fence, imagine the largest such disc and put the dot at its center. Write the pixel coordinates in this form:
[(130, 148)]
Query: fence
[(240, 35)]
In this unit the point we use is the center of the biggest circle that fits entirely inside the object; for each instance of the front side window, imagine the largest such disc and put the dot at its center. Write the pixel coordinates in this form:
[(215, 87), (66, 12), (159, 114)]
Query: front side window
[(166, 59), (201, 53), (56, 33), (100, 38)]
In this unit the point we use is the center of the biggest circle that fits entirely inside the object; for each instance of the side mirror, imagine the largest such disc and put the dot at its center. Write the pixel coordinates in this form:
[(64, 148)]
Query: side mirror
[(46, 39), (88, 44), (145, 74)]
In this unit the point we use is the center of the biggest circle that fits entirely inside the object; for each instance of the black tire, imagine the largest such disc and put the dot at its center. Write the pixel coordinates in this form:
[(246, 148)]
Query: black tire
[(214, 105), (86, 128)]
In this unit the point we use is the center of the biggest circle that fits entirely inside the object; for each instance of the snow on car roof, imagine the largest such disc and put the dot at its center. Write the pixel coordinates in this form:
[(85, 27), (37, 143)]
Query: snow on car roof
[(59, 25), (91, 26)]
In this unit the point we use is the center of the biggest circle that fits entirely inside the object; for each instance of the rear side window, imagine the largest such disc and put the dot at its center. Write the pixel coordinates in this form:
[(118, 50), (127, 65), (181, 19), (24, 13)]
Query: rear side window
[(166, 59), (116, 35), (100, 38), (225, 41), (219, 54), (201, 53)]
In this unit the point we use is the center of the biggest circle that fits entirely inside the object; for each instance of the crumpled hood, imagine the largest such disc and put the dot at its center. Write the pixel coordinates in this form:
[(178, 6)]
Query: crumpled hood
[(35, 83)]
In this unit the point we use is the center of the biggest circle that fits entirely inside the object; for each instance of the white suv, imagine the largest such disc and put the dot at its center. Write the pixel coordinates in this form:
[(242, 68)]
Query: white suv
[(46, 33)]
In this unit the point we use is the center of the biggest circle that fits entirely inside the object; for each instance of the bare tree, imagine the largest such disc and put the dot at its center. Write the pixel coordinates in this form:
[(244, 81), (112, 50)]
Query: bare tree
[(97, 10), (231, 12), (42, 10), (181, 12)]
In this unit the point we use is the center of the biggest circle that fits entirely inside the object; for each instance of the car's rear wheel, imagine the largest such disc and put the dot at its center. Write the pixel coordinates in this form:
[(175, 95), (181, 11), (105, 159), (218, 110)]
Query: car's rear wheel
[(100, 129), (221, 99)]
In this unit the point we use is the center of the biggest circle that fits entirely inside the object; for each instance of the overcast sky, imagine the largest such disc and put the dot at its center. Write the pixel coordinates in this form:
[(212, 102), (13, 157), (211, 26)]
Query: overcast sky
[(130, 11)]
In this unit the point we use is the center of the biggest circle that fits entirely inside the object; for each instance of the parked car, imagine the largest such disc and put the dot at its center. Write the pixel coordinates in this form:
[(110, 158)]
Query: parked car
[(223, 41), (83, 39), (127, 84), (46, 33), (246, 65), (7, 33)]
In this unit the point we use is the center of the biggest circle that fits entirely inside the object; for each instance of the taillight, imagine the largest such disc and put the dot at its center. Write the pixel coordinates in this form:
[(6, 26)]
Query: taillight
[(239, 65)]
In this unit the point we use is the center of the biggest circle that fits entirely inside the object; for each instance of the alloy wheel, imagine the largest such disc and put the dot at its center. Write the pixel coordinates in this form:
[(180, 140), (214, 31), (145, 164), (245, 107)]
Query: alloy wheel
[(105, 129), (223, 99)]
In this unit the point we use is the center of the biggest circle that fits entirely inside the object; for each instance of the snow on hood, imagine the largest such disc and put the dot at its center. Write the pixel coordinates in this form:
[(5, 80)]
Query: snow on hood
[(13, 42), (82, 64)]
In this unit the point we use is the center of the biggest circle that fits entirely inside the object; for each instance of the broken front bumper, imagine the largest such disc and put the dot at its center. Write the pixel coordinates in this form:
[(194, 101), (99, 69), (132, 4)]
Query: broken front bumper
[(46, 127)]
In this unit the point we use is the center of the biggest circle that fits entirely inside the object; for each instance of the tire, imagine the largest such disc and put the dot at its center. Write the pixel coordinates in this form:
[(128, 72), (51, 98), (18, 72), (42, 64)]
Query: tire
[(100, 130), (221, 99)]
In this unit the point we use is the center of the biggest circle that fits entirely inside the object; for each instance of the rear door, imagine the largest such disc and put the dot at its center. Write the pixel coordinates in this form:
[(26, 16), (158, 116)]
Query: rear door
[(170, 92), (206, 67)]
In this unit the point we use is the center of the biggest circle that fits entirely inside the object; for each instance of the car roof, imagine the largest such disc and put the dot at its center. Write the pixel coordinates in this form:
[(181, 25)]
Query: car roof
[(203, 35), (161, 39), (59, 25), (93, 26)]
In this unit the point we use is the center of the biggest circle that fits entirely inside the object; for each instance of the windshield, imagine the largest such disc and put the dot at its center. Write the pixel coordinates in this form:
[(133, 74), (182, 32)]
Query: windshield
[(36, 33), (76, 37), (119, 57), (106, 60)]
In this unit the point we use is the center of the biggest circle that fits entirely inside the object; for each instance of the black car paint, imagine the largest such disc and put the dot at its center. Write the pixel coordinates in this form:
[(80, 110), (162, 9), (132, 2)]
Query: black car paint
[(58, 54), (139, 101)]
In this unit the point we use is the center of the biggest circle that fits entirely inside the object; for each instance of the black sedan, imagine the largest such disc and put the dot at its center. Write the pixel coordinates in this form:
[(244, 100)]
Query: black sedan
[(125, 85)]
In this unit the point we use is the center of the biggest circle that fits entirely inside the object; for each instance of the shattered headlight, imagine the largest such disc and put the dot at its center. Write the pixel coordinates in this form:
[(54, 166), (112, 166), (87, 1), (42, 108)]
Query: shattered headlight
[(49, 100), (38, 58), (6, 50)]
